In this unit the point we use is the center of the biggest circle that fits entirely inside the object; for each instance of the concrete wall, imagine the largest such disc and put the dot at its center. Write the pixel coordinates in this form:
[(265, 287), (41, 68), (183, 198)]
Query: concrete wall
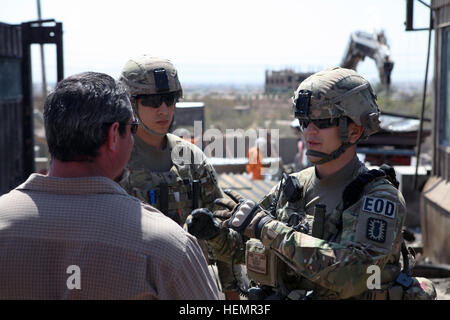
[(405, 175)]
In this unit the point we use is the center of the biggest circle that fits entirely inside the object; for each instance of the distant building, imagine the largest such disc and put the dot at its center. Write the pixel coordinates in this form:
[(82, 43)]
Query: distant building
[(283, 81), (186, 113)]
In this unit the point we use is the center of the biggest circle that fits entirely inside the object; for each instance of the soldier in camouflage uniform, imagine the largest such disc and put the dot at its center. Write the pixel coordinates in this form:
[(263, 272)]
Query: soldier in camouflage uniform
[(320, 233), (166, 171)]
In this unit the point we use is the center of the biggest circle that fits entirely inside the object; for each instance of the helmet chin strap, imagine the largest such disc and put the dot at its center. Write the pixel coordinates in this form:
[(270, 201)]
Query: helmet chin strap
[(150, 131), (329, 156)]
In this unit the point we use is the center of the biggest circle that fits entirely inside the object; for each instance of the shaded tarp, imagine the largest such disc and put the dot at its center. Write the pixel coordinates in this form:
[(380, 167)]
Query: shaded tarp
[(398, 123)]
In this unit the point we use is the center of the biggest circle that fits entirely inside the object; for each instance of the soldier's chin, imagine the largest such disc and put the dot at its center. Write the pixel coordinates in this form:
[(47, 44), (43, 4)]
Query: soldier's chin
[(161, 130), (313, 159)]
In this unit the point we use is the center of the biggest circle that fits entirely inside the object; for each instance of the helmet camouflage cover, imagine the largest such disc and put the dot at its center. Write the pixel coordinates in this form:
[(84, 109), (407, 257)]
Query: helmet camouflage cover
[(147, 75), (335, 93), (150, 75)]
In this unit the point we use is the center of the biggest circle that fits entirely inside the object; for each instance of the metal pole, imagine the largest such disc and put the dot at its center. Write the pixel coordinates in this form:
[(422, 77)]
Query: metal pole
[(59, 53), (27, 89), (44, 78), (419, 137)]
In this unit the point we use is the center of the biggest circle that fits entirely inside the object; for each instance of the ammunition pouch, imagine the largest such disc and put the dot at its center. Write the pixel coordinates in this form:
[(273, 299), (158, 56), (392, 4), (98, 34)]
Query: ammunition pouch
[(387, 292), (262, 264)]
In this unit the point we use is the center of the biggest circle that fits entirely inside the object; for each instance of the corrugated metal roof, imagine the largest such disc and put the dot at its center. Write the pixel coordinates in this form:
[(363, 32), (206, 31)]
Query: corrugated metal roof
[(250, 189)]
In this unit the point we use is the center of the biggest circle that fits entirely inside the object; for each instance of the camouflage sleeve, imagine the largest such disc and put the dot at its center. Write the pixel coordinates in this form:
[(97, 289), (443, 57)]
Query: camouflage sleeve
[(371, 235), (124, 182), (229, 245), (266, 202), (210, 189)]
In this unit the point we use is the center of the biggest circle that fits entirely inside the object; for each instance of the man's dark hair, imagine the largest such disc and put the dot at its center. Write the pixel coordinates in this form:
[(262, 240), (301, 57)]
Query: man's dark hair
[(79, 112)]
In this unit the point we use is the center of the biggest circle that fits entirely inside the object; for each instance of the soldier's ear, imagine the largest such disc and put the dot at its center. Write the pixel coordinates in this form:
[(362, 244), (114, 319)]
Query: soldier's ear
[(354, 132)]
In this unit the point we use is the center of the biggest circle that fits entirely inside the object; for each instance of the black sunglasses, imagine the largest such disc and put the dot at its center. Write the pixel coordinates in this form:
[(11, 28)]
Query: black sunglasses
[(319, 123), (156, 100), (134, 126)]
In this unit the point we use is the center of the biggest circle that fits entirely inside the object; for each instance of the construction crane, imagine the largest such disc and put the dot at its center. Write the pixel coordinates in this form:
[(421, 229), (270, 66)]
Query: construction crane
[(373, 45)]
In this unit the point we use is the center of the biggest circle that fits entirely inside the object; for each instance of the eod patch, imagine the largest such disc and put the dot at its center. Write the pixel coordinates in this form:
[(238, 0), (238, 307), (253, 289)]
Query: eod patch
[(380, 206)]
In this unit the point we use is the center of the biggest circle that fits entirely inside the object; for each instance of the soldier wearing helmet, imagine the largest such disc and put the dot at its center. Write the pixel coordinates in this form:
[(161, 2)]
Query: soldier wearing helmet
[(334, 230), (337, 102), (173, 187)]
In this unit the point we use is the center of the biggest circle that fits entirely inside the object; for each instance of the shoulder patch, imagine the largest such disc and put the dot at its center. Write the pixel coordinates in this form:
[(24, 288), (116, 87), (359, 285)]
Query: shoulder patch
[(376, 230), (380, 206)]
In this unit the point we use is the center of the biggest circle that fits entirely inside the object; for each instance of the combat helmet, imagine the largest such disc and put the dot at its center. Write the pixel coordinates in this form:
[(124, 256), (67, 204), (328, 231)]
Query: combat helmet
[(337, 94), (147, 75)]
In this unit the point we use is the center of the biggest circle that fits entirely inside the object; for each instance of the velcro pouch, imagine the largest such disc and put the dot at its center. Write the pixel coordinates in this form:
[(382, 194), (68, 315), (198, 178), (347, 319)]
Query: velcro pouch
[(261, 263)]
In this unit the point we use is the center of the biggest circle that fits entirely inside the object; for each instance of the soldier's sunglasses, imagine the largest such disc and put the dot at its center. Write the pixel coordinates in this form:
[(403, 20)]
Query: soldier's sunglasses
[(134, 126), (319, 123), (156, 100)]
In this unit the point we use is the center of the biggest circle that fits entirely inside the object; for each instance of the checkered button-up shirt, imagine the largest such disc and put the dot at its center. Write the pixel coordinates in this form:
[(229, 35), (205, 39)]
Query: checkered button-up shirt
[(86, 238)]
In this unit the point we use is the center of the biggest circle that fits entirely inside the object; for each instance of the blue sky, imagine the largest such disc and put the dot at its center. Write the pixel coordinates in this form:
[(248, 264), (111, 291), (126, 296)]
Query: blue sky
[(231, 41)]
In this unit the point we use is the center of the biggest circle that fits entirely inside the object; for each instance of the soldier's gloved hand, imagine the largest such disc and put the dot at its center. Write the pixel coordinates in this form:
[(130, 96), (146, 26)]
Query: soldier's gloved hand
[(248, 219), (236, 197), (228, 204), (202, 225)]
